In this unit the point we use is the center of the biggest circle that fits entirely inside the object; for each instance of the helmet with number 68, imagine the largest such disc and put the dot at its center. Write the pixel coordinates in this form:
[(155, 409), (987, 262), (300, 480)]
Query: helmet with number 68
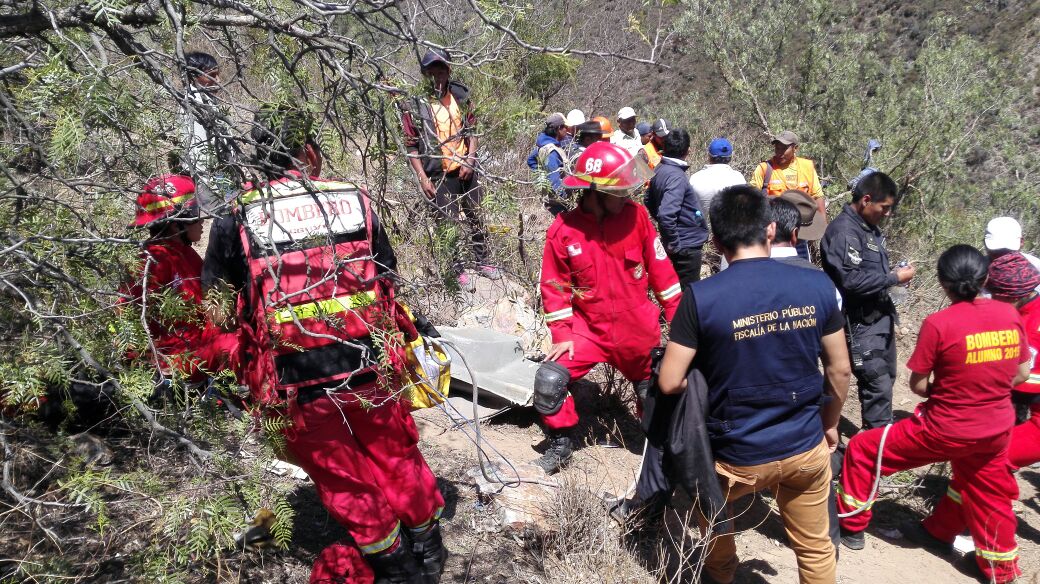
[(610, 168)]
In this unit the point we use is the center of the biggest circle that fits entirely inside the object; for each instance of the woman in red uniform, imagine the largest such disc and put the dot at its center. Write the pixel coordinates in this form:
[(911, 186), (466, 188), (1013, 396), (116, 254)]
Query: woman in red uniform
[(975, 351), (189, 343), (1013, 279)]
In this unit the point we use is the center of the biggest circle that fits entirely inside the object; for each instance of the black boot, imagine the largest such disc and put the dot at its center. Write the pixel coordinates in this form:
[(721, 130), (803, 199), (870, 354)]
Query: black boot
[(854, 540), (559, 453), (644, 517), (429, 552), (396, 567)]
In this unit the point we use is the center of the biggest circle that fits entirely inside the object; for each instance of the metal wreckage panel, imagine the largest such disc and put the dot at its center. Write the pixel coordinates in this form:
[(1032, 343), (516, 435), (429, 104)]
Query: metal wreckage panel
[(497, 360)]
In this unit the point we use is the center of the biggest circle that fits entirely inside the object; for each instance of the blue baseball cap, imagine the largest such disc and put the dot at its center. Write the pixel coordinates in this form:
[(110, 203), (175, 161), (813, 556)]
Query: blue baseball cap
[(720, 148), (644, 128)]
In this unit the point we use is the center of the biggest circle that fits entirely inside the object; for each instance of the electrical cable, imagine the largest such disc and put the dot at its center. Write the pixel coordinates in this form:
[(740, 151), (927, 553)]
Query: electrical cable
[(481, 443)]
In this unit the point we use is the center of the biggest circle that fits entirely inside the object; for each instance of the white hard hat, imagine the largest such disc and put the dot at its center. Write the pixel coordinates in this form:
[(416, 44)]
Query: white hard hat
[(575, 117), (1003, 233)]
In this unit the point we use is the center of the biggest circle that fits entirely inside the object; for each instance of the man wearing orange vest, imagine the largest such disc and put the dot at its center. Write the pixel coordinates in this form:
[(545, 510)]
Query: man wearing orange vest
[(646, 133), (312, 267), (787, 171), (440, 135)]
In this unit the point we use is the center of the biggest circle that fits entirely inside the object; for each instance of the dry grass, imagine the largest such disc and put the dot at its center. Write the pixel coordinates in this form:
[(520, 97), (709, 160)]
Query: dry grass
[(584, 544)]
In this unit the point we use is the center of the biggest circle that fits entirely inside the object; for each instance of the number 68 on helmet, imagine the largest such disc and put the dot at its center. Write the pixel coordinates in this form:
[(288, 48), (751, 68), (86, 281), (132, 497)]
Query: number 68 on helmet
[(609, 168)]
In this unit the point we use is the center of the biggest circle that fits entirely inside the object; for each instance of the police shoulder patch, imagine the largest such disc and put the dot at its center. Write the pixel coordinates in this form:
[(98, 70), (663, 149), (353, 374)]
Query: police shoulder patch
[(854, 256)]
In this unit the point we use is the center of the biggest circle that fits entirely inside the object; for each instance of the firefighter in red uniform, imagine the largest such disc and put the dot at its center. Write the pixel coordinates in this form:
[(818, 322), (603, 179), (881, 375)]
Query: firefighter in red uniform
[(600, 260), (313, 267), (1014, 280), (975, 351), (168, 208)]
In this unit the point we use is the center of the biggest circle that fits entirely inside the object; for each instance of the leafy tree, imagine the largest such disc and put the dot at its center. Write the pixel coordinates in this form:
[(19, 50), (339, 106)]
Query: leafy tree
[(947, 113), (93, 96)]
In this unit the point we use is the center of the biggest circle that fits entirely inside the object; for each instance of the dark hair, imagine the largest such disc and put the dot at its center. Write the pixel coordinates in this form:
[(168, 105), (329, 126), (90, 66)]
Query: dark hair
[(676, 144), (280, 132), (739, 217), (582, 138), (962, 271), (199, 63), (719, 159), (786, 217), (156, 229), (878, 185), (552, 129)]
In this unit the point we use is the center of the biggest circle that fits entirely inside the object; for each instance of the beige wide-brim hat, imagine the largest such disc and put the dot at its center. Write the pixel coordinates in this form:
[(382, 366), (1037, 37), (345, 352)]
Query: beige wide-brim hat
[(811, 223)]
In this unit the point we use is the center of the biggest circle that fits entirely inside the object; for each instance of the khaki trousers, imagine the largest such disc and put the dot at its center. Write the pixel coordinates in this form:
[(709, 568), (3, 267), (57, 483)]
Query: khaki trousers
[(801, 484)]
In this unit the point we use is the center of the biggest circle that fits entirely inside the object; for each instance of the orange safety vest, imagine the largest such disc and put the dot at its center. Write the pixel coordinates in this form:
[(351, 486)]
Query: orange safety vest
[(653, 157), (447, 119), (776, 181)]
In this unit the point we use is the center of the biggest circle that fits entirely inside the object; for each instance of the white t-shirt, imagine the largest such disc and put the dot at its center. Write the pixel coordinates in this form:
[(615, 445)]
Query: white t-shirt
[(201, 157), (630, 142), (708, 181)]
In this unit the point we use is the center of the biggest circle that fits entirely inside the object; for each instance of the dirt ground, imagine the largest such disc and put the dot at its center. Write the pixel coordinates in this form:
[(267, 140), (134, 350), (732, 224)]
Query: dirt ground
[(609, 462)]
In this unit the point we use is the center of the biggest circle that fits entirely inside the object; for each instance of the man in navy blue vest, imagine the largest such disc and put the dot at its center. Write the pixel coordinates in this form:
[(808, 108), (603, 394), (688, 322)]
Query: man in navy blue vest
[(757, 331)]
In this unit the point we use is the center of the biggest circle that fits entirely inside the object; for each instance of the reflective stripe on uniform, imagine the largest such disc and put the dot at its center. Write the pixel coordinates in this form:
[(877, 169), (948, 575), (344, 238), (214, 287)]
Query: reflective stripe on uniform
[(993, 556), (383, 544), (852, 501), (324, 307), (953, 495), (436, 516), (559, 314), (670, 292), (170, 202), (602, 181), (1034, 379)]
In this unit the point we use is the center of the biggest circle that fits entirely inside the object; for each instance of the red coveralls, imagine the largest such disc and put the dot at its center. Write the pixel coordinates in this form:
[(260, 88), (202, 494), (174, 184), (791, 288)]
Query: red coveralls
[(966, 420), (193, 345), (358, 444), (1025, 438), (595, 278)]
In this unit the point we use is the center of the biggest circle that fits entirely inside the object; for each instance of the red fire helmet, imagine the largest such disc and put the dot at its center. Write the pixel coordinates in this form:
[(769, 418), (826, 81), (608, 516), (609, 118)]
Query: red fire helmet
[(607, 167), (165, 197), (341, 563)]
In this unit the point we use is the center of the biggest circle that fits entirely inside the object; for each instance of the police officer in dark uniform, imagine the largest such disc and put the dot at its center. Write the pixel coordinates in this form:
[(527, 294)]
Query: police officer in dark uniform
[(854, 256)]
